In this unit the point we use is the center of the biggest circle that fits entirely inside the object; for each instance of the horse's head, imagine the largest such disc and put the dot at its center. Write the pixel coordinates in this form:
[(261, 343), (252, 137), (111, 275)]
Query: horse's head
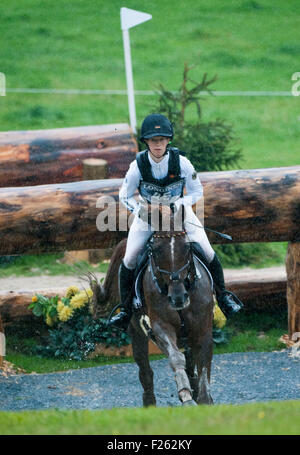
[(170, 263)]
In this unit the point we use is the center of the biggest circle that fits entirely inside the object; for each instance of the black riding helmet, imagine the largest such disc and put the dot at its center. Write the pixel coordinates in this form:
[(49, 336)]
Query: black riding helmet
[(156, 125)]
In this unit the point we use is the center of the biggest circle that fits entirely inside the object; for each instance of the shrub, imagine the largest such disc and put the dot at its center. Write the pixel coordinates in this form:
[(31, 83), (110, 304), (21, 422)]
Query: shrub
[(73, 333), (208, 145)]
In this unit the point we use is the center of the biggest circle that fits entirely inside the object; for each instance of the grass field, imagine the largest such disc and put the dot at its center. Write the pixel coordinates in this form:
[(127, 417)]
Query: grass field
[(272, 418), (250, 45)]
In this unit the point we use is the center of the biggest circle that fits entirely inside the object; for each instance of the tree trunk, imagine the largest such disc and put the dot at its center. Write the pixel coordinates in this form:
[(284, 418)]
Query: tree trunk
[(14, 305), (255, 205), (293, 290), (54, 156), (251, 206), (55, 217), (93, 169)]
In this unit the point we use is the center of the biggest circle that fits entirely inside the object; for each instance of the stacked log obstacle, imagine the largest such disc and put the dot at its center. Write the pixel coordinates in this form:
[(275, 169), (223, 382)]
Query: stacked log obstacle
[(260, 205), (251, 206), (55, 156), (257, 289)]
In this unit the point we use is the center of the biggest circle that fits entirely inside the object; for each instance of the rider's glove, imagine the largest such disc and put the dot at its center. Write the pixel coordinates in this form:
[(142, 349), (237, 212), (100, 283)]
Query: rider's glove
[(144, 213)]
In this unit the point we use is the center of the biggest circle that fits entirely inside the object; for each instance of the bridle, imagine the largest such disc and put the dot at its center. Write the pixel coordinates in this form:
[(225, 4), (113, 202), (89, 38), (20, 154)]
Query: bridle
[(174, 276)]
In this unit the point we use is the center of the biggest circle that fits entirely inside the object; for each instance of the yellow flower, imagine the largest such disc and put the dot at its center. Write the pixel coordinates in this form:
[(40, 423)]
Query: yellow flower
[(81, 299), (60, 305), (65, 313), (49, 320), (72, 290), (219, 317), (34, 298)]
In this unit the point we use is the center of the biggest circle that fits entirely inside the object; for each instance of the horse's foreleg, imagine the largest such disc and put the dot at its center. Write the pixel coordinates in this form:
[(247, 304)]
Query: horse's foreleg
[(192, 375), (204, 396), (140, 354), (167, 344), (204, 368)]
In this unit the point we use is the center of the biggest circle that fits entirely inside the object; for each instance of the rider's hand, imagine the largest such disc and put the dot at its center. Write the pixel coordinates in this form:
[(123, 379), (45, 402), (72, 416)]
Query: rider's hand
[(144, 212), (165, 210)]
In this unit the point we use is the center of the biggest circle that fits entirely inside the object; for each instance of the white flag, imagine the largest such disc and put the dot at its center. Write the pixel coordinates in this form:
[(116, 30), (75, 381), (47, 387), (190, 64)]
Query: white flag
[(130, 18)]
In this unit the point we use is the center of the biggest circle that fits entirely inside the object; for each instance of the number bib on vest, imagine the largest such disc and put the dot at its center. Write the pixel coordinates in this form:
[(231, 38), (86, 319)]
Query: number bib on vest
[(162, 194)]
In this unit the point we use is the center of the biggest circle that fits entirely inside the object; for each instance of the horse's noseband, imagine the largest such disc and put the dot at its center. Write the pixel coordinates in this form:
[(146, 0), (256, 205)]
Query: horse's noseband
[(174, 275)]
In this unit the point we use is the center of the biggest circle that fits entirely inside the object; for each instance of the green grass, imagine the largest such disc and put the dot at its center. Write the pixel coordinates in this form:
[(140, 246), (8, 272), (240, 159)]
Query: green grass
[(250, 45), (255, 331), (40, 365), (272, 418), (44, 264), (256, 255)]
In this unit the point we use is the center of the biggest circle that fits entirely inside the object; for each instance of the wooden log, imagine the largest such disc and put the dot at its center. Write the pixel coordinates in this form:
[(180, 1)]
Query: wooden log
[(93, 169), (54, 217), (54, 156), (255, 205), (293, 290), (14, 305), (258, 289), (251, 206)]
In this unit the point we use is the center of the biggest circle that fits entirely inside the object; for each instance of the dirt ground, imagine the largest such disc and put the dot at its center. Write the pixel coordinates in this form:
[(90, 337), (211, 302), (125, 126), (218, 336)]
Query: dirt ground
[(13, 283)]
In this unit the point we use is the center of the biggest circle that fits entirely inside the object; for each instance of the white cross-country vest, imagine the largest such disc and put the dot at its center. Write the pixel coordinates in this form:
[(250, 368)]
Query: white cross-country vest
[(170, 187)]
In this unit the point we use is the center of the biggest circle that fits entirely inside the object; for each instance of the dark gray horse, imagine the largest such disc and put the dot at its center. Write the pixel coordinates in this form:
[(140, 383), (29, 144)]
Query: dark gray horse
[(177, 313)]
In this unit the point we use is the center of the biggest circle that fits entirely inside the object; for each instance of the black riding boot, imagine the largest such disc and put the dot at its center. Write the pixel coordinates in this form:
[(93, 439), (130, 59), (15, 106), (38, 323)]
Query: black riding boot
[(225, 298), (122, 319)]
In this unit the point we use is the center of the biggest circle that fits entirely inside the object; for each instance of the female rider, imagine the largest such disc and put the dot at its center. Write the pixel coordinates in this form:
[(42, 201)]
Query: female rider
[(165, 170)]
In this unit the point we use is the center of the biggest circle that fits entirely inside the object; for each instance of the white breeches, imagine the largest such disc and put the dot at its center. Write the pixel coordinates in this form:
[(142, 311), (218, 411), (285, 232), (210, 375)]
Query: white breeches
[(140, 232)]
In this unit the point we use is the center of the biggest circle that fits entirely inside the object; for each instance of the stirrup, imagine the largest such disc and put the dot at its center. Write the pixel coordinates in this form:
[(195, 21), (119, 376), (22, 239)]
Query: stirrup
[(229, 307), (120, 320)]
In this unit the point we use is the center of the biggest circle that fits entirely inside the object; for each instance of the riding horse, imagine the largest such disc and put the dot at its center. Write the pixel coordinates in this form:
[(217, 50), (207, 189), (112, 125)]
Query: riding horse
[(176, 312)]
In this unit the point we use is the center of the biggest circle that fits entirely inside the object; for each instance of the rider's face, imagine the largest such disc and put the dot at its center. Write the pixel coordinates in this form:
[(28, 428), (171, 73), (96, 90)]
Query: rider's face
[(157, 146)]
